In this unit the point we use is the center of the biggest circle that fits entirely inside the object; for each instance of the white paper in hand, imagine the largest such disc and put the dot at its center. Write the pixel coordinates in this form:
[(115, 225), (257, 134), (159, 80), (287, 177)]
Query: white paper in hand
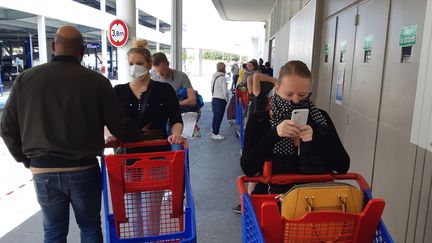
[(189, 121)]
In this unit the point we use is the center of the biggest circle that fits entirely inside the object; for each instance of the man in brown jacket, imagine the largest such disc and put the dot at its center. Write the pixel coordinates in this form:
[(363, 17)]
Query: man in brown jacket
[(53, 122)]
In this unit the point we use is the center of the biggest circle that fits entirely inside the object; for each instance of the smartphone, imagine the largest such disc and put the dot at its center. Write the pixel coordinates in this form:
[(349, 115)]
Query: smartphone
[(300, 116)]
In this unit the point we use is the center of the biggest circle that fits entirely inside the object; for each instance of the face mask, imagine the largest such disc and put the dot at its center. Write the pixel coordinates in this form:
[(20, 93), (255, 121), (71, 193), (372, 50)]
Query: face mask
[(137, 72)]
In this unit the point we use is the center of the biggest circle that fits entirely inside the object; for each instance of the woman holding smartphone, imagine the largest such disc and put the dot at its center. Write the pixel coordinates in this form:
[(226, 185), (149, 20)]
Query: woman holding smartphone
[(314, 148)]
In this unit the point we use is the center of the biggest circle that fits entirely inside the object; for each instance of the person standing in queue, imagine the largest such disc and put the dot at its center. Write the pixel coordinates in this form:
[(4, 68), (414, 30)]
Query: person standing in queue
[(181, 84), (272, 135), (151, 106), (53, 122), (220, 99), (177, 79)]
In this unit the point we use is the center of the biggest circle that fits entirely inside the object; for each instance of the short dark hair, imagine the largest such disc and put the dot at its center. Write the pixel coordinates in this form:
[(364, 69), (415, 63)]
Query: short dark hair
[(244, 65), (158, 58), (267, 64)]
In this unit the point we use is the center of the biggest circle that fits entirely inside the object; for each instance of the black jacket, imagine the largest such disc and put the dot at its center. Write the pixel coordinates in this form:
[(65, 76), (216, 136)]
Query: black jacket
[(324, 154), (162, 105), (56, 112)]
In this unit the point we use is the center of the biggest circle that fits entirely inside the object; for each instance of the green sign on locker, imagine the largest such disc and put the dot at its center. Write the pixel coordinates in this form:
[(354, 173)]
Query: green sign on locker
[(326, 49), (368, 42), (408, 35)]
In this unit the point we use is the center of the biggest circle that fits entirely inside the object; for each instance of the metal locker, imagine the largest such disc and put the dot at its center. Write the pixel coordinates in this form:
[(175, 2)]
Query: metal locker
[(325, 76), (366, 82), (344, 52)]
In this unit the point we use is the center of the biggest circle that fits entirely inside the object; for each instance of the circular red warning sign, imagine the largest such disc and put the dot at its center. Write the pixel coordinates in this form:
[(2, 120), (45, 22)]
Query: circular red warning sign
[(118, 33)]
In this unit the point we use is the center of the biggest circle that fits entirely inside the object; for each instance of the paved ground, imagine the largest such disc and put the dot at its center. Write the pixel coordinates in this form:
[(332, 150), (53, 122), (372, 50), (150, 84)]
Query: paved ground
[(214, 168)]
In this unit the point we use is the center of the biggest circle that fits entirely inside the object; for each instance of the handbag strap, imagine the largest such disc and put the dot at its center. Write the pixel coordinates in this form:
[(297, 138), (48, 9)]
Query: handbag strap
[(214, 82)]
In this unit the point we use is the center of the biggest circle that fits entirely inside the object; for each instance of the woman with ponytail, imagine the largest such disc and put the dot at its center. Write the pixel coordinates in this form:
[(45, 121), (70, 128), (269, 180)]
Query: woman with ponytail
[(272, 135)]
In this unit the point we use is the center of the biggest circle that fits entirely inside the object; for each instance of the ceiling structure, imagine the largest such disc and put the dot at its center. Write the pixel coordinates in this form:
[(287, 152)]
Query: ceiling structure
[(244, 10), (110, 5), (16, 26)]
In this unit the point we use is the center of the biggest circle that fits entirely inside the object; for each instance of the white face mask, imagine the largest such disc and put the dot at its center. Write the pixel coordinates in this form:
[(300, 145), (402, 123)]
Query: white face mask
[(137, 72)]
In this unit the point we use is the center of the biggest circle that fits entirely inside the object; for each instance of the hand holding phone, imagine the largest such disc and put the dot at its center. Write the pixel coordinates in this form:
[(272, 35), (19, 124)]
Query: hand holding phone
[(300, 117)]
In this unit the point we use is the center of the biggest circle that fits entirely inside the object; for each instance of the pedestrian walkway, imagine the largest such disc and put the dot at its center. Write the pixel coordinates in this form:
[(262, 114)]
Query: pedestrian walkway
[(214, 169)]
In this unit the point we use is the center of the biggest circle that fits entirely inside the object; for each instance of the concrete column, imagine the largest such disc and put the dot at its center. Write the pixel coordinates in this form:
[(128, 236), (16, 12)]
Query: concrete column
[(200, 58), (104, 52), (126, 10), (42, 39), (49, 49), (102, 5), (1, 82), (104, 42), (158, 30), (176, 34), (111, 59)]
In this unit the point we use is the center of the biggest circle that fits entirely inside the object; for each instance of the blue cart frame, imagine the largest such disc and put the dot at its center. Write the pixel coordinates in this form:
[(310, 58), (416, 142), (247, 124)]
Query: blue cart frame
[(251, 230), (189, 232)]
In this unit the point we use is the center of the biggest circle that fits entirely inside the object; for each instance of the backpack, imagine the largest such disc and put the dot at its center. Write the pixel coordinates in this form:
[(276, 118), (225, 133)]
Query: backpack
[(182, 94)]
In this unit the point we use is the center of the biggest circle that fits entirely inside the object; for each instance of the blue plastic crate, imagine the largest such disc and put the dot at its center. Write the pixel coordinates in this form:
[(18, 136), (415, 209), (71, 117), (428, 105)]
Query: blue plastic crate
[(187, 235), (382, 235), (237, 110), (251, 230)]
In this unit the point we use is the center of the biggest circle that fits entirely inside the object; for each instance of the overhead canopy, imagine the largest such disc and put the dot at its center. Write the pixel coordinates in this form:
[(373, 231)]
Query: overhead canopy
[(244, 10)]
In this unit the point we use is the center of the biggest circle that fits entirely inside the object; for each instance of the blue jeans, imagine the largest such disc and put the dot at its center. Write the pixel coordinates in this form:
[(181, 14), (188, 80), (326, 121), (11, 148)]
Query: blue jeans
[(218, 107), (82, 189)]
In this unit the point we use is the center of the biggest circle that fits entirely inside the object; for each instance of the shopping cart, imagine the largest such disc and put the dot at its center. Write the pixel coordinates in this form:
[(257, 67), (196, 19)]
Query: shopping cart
[(262, 222), (148, 197), (241, 103)]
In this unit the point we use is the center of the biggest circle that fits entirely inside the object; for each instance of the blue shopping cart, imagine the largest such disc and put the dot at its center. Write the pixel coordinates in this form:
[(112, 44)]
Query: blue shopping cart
[(256, 228), (147, 196)]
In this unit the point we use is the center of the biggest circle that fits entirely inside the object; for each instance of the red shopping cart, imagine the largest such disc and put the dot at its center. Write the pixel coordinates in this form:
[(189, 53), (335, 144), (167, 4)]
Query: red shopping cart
[(147, 196), (262, 221)]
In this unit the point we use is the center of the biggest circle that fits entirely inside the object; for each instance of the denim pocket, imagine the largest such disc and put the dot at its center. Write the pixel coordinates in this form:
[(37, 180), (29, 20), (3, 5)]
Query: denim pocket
[(46, 194)]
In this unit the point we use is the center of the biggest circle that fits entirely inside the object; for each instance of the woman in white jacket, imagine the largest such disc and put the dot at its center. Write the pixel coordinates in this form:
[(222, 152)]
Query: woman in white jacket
[(219, 87)]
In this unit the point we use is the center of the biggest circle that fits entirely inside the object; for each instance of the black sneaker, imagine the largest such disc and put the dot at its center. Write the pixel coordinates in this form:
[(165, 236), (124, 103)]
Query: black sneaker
[(237, 209)]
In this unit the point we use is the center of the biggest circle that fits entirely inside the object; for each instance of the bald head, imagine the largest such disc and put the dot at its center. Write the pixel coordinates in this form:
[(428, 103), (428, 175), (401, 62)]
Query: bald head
[(68, 41)]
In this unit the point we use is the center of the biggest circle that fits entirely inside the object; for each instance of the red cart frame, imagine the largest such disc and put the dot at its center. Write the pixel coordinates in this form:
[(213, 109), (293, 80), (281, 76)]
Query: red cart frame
[(262, 222)]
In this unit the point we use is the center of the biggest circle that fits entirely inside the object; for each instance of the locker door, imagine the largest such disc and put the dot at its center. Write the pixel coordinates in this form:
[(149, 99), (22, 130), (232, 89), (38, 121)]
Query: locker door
[(366, 83), (344, 51), (324, 82)]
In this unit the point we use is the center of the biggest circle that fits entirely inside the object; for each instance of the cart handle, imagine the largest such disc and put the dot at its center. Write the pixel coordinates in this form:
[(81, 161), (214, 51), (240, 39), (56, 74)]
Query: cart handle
[(268, 178), (150, 143)]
